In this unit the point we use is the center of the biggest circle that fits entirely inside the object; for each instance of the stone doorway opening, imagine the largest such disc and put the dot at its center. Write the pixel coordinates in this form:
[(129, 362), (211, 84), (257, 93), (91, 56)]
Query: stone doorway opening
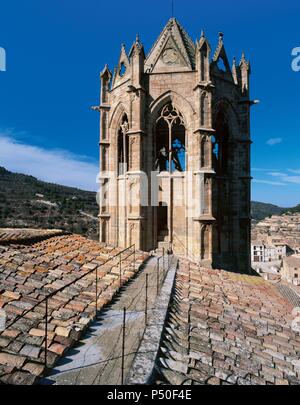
[(162, 225)]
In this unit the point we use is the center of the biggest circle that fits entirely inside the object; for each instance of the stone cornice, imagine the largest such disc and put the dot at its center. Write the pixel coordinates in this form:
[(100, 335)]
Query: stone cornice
[(172, 176), (104, 216), (104, 107), (134, 173), (135, 218), (205, 171), (206, 130), (104, 143), (204, 218), (137, 132), (170, 72)]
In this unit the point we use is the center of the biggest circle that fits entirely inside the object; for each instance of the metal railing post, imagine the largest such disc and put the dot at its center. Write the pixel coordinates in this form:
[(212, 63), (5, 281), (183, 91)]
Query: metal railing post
[(123, 347), (134, 259), (157, 276), (96, 305), (146, 303), (45, 299), (46, 332), (120, 265)]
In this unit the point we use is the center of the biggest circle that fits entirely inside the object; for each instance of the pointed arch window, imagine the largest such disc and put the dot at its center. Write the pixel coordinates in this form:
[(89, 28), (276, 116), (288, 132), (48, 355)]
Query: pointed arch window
[(204, 111), (220, 145), (122, 70), (170, 140), (123, 146), (203, 62), (221, 64)]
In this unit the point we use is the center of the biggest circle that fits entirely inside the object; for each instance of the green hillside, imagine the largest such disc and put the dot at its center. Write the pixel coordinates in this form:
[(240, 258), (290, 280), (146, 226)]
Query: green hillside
[(261, 210), (28, 202)]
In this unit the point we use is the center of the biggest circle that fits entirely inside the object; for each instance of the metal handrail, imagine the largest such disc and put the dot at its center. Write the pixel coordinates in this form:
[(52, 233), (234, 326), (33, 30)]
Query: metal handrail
[(67, 285), (126, 319)]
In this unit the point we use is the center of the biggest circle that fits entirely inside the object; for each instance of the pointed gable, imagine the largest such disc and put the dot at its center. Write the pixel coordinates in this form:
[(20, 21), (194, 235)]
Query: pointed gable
[(122, 72), (173, 50), (220, 64)]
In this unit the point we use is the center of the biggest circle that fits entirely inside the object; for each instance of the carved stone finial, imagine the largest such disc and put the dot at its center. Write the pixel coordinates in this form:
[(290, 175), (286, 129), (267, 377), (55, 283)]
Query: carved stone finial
[(221, 36), (243, 59), (202, 34)]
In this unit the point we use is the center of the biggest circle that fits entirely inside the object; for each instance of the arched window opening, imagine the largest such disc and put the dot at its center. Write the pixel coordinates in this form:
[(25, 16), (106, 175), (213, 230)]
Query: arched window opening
[(221, 65), (122, 70), (170, 140), (104, 125), (204, 243), (203, 60), (123, 146), (204, 110), (220, 145), (104, 159)]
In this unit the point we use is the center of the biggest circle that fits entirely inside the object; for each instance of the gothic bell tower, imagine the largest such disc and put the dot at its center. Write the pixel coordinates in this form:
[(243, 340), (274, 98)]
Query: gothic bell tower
[(175, 151)]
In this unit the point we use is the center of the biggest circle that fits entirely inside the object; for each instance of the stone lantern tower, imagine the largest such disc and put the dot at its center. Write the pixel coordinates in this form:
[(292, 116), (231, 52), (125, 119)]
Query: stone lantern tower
[(175, 151)]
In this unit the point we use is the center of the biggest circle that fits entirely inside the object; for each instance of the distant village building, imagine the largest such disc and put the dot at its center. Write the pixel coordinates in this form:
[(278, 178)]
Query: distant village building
[(183, 113), (291, 269), (257, 252), (261, 252), (275, 238)]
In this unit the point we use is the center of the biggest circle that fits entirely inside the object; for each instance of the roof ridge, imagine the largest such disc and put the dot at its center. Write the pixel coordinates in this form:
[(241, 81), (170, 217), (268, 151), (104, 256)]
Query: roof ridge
[(25, 235), (188, 44), (185, 33)]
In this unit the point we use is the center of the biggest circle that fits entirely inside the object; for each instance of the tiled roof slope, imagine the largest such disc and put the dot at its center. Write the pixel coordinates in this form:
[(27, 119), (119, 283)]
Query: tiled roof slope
[(9, 236), (29, 273), (226, 328)]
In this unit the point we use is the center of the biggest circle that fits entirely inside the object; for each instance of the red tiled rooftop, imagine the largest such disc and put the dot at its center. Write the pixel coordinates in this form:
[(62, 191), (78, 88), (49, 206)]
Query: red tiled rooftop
[(29, 273), (227, 328), (10, 236)]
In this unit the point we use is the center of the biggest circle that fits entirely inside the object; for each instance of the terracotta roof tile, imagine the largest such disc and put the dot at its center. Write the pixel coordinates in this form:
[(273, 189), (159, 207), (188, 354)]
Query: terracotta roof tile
[(9, 236), (227, 328), (34, 264)]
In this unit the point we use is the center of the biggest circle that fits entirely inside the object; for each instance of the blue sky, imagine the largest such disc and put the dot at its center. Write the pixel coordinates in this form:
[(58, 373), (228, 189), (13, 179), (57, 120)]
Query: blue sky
[(56, 49)]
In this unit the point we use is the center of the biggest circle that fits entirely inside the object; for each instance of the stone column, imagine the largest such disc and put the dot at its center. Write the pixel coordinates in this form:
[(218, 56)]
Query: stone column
[(203, 167), (136, 133)]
